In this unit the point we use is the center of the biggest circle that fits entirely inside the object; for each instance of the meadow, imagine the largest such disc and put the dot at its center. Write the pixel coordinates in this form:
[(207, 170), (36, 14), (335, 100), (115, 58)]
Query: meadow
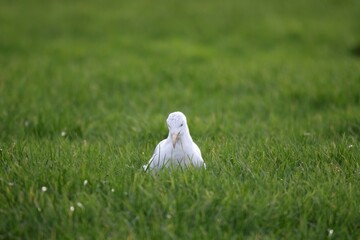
[(271, 91)]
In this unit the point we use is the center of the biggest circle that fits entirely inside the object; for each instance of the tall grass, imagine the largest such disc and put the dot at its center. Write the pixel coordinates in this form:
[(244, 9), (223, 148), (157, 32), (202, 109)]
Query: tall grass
[(270, 90)]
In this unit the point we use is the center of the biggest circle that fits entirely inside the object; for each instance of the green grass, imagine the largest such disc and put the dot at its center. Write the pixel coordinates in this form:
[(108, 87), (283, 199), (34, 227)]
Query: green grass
[(272, 96)]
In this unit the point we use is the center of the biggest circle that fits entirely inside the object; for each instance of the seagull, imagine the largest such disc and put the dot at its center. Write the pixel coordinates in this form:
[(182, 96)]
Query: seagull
[(178, 149)]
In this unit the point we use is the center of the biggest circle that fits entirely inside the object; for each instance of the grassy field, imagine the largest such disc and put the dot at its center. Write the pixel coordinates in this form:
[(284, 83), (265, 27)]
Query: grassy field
[(272, 96)]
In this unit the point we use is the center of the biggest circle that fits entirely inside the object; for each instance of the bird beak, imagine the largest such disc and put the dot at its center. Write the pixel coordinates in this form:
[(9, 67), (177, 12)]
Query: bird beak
[(174, 137)]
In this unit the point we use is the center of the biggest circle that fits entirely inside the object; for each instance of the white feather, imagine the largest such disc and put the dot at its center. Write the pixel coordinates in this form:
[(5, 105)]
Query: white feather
[(183, 153)]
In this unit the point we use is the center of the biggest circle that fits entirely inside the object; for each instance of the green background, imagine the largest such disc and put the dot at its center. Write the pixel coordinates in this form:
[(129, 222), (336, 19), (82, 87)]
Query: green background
[(271, 91)]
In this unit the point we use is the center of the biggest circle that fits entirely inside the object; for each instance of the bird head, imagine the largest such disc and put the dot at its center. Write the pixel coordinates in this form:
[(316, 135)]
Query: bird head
[(177, 126)]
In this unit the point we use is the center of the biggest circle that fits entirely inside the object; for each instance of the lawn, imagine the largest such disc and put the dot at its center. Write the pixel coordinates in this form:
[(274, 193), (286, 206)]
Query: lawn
[(271, 91)]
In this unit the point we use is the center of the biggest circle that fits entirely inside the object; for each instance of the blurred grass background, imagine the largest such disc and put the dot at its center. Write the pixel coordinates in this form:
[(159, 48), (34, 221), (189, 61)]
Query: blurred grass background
[(271, 91)]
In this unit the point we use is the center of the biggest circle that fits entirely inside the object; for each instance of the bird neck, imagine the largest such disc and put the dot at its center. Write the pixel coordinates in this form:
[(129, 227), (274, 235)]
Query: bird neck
[(186, 135)]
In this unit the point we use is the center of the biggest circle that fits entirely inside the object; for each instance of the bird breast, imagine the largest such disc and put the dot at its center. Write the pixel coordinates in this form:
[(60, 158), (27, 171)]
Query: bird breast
[(181, 151)]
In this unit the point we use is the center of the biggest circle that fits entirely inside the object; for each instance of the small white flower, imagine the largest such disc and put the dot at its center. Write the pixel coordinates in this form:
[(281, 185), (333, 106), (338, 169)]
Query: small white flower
[(112, 190), (11, 183), (63, 133), (26, 123), (86, 182), (43, 188), (350, 146), (72, 208), (307, 134), (79, 204), (331, 231)]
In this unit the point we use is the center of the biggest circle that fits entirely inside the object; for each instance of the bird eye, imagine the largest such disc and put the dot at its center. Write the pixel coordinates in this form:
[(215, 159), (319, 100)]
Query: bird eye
[(181, 125)]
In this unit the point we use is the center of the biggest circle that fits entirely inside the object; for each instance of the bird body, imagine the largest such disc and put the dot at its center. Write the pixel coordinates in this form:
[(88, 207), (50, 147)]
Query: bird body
[(178, 149)]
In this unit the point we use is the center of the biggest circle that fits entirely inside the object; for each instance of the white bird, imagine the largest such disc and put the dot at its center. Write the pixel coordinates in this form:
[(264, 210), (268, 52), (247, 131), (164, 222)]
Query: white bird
[(178, 149)]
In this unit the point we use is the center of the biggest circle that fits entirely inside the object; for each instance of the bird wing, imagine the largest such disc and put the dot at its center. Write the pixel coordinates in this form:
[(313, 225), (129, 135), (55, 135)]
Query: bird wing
[(197, 158), (154, 161)]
